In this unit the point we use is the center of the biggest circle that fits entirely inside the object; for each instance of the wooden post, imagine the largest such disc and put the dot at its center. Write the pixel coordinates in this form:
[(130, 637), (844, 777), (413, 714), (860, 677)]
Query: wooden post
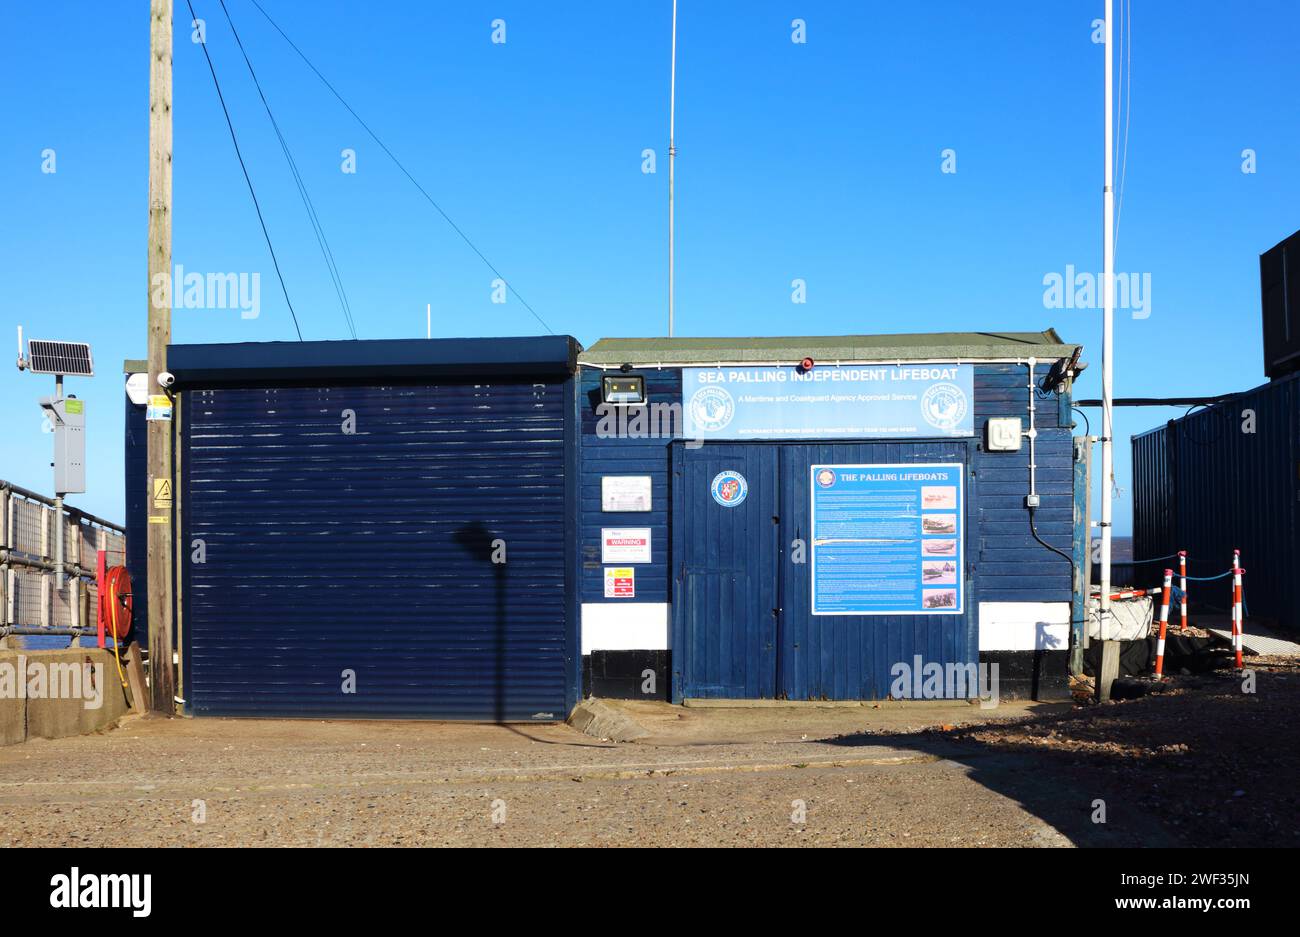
[(160, 332), (135, 678)]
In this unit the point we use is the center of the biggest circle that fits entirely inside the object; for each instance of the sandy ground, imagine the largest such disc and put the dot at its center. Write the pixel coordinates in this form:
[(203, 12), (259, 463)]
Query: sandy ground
[(897, 775)]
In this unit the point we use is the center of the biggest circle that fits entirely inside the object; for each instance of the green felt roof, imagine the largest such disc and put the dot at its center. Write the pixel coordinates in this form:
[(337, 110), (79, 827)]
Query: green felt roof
[(936, 346)]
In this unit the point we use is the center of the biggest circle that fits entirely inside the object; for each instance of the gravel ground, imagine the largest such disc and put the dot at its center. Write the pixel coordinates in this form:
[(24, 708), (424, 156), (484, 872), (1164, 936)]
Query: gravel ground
[(897, 775), (1212, 757)]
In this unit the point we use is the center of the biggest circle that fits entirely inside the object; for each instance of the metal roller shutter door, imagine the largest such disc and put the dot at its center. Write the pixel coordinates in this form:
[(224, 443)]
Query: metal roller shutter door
[(327, 552)]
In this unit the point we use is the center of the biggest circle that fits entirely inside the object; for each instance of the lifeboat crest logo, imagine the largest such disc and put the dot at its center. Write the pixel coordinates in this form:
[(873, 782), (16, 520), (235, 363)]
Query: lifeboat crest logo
[(943, 406), (729, 488), (712, 408)]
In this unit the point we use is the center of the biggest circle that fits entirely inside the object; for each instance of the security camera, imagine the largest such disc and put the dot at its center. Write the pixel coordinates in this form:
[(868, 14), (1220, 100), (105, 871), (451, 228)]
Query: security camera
[(166, 379)]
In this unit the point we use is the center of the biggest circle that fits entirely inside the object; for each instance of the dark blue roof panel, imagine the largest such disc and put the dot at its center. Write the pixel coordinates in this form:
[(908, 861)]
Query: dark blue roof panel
[(244, 363)]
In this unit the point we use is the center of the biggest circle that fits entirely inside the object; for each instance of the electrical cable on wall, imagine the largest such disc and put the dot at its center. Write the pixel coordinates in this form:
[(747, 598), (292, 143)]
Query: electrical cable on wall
[(1033, 530)]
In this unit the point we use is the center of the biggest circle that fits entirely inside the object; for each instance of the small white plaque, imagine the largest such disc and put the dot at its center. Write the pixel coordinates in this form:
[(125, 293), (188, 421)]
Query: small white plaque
[(625, 493)]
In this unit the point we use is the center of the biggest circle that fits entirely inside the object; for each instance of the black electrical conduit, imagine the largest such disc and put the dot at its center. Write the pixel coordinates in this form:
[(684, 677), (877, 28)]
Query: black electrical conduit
[(1034, 531)]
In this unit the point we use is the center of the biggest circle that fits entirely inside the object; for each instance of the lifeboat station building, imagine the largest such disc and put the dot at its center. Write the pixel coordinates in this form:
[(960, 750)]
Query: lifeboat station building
[(492, 528)]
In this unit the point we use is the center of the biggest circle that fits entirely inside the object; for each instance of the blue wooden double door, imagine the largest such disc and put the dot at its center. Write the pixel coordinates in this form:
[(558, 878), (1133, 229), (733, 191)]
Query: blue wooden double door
[(742, 621)]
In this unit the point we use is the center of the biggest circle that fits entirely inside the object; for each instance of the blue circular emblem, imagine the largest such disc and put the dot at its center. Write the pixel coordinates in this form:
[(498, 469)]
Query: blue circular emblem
[(711, 408), (729, 488), (943, 406), (825, 478)]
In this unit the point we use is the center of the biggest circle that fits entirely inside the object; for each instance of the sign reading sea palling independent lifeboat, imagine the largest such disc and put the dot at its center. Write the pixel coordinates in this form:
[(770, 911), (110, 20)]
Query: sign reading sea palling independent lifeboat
[(850, 401)]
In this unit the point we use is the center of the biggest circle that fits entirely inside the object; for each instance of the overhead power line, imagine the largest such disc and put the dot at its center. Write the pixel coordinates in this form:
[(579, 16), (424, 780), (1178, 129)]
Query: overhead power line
[(243, 166), (312, 216), (398, 163), (1126, 104)]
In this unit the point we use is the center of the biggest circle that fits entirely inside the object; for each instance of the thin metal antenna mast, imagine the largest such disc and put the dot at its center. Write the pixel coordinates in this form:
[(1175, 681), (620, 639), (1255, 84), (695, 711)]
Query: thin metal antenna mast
[(672, 158)]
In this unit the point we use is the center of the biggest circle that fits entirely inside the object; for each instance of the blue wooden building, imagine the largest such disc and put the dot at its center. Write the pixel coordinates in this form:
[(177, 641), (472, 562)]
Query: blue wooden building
[(487, 528), (744, 540)]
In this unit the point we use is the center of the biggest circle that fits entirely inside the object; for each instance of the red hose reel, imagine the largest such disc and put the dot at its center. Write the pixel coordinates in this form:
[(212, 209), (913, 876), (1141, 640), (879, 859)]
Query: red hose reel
[(114, 603)]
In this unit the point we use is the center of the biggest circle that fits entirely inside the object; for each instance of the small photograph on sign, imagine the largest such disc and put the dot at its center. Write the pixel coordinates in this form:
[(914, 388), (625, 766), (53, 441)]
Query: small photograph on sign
[(620, 582), (939, 572), (939, 523), (938, 497), (939, 547), (939, 598)]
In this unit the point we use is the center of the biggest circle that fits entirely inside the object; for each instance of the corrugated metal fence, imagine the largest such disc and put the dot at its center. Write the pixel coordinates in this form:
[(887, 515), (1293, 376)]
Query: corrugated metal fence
[(1224, 478)]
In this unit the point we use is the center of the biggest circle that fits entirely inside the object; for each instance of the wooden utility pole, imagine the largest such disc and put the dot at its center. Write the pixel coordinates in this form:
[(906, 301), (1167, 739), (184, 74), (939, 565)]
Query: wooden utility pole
[(161, 568)]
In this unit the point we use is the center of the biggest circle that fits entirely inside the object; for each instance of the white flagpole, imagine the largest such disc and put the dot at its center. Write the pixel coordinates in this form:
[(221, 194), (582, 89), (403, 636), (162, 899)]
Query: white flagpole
[(1107, 339)]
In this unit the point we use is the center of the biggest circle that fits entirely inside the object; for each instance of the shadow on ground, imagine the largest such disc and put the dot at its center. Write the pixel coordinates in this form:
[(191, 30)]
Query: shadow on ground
[(1204, 763)]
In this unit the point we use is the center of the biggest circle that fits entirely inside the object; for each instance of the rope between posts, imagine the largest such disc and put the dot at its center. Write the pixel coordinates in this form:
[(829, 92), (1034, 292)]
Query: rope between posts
[(1171, 556), (1157, 559)]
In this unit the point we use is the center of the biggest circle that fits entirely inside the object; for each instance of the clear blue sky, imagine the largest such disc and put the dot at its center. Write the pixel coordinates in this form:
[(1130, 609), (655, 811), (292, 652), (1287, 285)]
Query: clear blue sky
[(818, 161)]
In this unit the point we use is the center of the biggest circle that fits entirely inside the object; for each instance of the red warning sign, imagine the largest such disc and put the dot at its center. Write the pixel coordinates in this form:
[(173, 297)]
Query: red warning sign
[(620, 582)]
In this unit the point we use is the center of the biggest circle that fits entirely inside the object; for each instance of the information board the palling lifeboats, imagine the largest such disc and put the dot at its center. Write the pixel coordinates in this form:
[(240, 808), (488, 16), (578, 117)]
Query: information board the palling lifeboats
[(887, 539), (829, 402)]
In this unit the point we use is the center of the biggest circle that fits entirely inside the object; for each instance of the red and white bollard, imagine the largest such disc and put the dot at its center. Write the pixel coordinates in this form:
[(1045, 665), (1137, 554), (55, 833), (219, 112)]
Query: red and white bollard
[(1133, 593), (1238, 619), (1164, 623), (1182, 584)]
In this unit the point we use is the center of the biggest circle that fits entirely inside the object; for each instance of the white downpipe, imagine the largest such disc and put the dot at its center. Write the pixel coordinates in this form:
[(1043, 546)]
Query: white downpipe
[(1107, 337), (1032, 434)]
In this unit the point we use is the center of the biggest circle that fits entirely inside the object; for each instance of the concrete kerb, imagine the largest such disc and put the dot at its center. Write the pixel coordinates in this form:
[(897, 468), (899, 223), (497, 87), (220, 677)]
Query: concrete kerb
[(602, 721), (823, 704)]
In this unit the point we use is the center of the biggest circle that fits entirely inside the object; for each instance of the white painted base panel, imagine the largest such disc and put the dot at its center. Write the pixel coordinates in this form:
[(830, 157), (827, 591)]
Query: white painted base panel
[(1003, 626), (1024, 626), (624, 626)]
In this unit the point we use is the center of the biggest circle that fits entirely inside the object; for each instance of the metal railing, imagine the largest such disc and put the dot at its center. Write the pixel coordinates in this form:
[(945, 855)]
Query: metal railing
[(33, 533)]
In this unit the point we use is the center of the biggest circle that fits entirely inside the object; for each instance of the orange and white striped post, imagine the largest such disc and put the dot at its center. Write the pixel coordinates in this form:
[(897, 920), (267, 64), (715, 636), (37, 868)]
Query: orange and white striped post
[(1182, 584), (1164, 624), (1238, 621)]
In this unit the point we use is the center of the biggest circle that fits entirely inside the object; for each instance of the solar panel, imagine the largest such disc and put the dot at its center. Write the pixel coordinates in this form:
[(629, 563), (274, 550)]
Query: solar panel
[(46, 357)]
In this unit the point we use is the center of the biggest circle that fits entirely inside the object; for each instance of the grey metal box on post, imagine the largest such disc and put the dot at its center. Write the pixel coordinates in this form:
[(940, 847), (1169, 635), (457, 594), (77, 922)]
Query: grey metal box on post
[(68, 417)]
